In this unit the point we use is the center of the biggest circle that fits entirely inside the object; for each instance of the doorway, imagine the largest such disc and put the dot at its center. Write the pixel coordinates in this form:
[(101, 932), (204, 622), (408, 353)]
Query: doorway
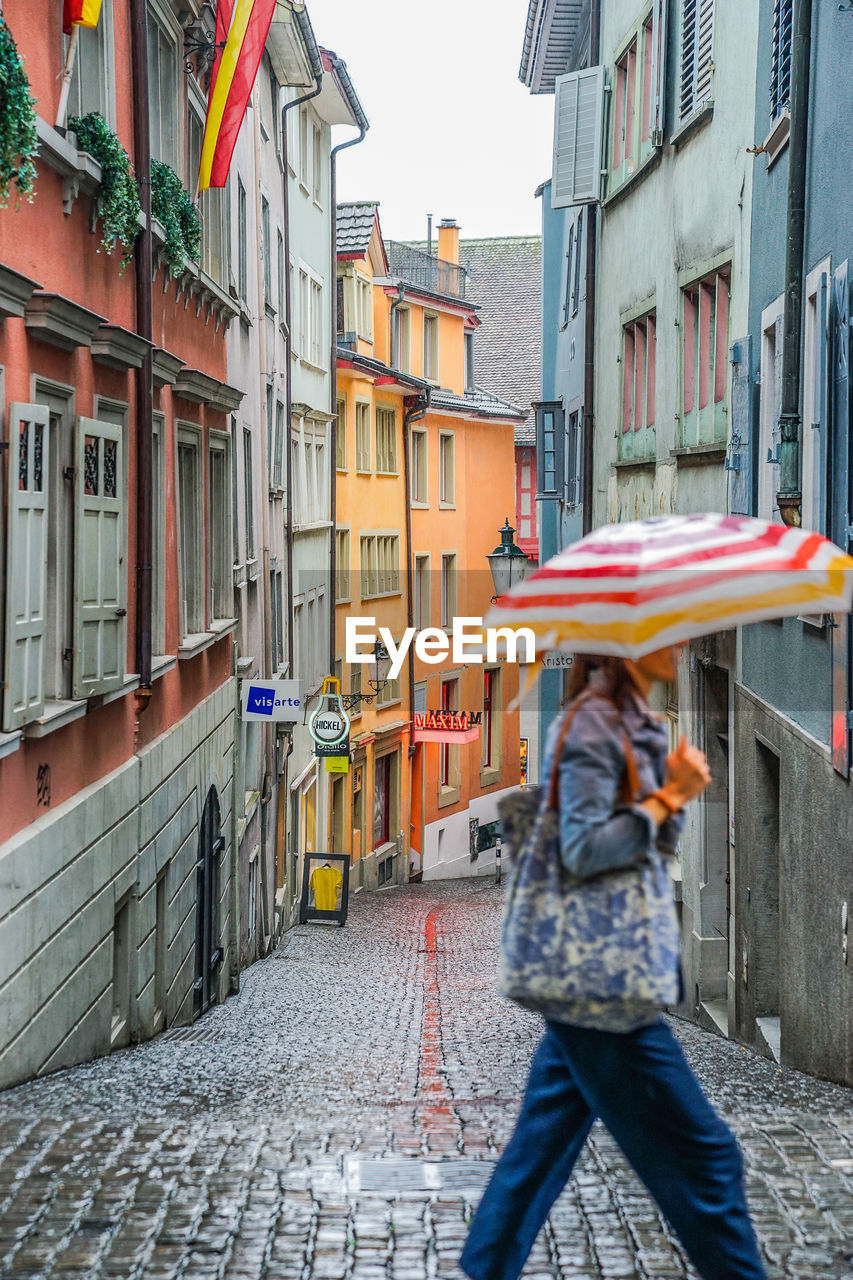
[(208, 952)]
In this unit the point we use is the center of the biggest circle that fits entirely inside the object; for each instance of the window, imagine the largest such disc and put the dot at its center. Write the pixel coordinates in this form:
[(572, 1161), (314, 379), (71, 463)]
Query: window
[(780, 71), (574, 301), (380, 564), (342, 585), (158, 537), (550, 449), (382, 801), (213, 204), (386, 441), (164, 95), (219, 527), (526, 493), (316, 324), (242, 250), (448, 589), (304, 303), (390, 692), (770, 408), (431, 347), (98, 663), (303, 147), (419, 466), (279, 445), (401, 354), (92, 80), (570, 275), (637, 438), (364, 308), (362, 436), (341, 437), (637, 103), (469, 361), (704, 337), (490, 731), (189, 533), (420, 601), (270, 414), (276, 619), (248, 493), (340, 305), (574, 458), (355, 673), (448, 757), (446, 468), (266, 250), (280, 273), (815, 382), (697, 55), (275, 117), (318, 164)]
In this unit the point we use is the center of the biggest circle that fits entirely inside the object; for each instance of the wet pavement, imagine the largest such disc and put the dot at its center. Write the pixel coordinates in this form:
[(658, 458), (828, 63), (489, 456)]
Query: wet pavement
[(338, 1119)]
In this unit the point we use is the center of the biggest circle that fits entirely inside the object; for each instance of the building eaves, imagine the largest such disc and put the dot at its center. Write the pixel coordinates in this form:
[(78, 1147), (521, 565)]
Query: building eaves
[(551, 35), (338, 68), (378, 369), (479, 403)]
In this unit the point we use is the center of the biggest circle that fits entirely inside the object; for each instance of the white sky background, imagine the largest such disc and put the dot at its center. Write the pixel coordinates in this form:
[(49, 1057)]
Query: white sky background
[(453, 132)]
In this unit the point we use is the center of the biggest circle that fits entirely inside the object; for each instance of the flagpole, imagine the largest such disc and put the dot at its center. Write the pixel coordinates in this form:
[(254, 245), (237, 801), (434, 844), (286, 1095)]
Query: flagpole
[(66, 77)]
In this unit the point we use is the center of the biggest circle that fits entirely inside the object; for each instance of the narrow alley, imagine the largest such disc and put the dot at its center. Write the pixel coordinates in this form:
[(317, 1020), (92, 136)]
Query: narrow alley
[(338, 1118)]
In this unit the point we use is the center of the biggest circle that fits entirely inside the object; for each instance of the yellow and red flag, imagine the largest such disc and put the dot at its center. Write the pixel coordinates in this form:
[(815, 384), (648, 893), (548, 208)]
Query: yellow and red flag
[(80, 13), (247, 23)]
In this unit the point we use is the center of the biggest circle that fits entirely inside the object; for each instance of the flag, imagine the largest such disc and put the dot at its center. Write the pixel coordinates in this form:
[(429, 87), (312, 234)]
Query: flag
[(231, 83), (80, 13)]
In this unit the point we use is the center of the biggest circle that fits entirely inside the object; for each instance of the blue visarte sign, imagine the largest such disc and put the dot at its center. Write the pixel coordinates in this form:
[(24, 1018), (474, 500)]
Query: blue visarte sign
[(272, 700)]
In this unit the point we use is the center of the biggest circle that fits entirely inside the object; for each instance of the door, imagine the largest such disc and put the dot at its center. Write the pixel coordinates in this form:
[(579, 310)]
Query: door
[(208, 952)]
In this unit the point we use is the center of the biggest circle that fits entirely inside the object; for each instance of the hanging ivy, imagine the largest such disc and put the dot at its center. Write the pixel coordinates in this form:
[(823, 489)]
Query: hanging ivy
[(171, 205), (118, 201), (18, 137)]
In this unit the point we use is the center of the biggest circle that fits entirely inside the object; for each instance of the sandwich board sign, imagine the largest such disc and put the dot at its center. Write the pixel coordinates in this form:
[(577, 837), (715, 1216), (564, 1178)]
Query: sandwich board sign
[(273, 701)]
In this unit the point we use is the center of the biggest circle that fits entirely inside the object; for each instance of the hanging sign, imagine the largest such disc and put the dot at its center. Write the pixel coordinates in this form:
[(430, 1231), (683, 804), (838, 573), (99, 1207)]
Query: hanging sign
[(271, 700), (447, 727), (329, 724)]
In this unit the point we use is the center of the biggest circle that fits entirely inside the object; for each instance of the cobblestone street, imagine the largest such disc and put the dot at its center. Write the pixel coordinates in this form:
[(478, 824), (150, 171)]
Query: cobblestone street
[(338, 1118)]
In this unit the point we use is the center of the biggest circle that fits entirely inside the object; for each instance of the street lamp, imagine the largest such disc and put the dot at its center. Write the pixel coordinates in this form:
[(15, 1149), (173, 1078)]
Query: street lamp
[(382, 660), (507, 562)]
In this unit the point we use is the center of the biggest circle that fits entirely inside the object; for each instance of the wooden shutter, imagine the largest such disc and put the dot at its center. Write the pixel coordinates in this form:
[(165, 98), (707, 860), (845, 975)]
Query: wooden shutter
[(657, 116), (578, 135), (840, 515), (99, 579), (26, 563), (739, 464), (697, 55)]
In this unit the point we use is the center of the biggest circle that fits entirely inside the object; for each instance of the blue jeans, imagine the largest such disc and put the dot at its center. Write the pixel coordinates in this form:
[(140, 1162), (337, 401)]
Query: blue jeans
[(640, 1086)]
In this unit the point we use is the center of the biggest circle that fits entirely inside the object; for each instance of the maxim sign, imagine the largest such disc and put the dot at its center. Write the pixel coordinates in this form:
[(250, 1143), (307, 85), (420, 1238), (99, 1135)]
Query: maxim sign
[(448, 727)]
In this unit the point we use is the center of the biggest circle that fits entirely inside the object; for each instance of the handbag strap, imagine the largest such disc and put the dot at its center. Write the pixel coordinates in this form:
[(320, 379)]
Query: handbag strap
[(630, 785)]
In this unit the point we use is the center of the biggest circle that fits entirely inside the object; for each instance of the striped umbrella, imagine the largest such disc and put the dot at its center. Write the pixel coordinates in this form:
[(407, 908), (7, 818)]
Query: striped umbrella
[(628, 589)]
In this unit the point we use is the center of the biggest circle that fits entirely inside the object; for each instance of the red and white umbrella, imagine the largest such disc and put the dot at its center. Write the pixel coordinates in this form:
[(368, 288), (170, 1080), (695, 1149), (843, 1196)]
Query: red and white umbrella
[(628, 589)]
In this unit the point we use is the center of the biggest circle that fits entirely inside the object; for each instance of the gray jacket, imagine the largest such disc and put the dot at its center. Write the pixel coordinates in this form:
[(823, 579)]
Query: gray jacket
[(598, 832)]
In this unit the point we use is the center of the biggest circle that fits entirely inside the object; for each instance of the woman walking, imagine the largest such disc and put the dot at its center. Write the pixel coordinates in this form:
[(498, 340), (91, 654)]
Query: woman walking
[(620, 799)]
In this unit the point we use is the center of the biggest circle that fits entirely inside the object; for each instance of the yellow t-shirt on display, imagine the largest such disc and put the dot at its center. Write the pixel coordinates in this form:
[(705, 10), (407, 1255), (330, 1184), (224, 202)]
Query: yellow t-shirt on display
[(326, 881)]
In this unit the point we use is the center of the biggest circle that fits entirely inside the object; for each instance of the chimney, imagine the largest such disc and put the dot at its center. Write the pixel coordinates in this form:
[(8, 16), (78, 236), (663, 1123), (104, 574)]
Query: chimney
[(448, 240)]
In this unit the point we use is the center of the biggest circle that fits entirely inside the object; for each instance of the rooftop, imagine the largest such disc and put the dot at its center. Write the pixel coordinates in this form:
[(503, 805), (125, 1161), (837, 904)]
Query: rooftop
[(355, 226)]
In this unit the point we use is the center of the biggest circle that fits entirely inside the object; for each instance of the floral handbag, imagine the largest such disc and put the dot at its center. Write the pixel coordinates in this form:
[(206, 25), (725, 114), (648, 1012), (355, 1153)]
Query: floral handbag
[(597, 952)]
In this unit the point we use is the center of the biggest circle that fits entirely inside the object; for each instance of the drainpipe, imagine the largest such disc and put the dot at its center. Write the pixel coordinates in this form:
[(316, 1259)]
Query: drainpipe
[(589, 314), (789, 497), (418, 410), (333, 362), (144, 382), (317, 69)]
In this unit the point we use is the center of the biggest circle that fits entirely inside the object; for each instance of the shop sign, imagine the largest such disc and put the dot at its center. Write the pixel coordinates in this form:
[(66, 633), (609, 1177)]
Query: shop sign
[(337, 764), (329, 724), (448, 727), (553, 660), (271, 700)]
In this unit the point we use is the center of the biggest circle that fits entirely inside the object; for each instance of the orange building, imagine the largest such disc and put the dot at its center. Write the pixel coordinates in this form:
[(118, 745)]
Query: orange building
[(425, 479), (118, 706)]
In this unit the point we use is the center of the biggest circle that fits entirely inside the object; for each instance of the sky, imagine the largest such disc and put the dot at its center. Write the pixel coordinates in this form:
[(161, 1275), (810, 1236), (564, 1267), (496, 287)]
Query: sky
[(453, 132)]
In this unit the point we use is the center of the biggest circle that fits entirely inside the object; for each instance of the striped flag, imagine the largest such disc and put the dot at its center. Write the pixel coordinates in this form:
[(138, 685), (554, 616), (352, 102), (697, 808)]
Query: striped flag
[(80, 13), (247, 23)]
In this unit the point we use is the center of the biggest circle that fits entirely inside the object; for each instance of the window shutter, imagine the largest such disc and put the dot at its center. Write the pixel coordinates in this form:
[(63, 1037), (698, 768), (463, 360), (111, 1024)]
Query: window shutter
[(840, 490), (739, 463), (818, 421), (697, 54), (578, 130), (775, 458), (659, 25), (99, 579), (26, 563)]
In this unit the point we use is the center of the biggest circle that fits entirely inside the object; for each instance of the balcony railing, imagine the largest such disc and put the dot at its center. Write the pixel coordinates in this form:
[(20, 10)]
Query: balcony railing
[(425, 271)]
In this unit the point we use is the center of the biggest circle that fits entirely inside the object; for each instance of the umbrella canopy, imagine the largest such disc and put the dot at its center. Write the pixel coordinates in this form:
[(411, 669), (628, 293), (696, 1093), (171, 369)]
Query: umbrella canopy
[(628, 589)]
